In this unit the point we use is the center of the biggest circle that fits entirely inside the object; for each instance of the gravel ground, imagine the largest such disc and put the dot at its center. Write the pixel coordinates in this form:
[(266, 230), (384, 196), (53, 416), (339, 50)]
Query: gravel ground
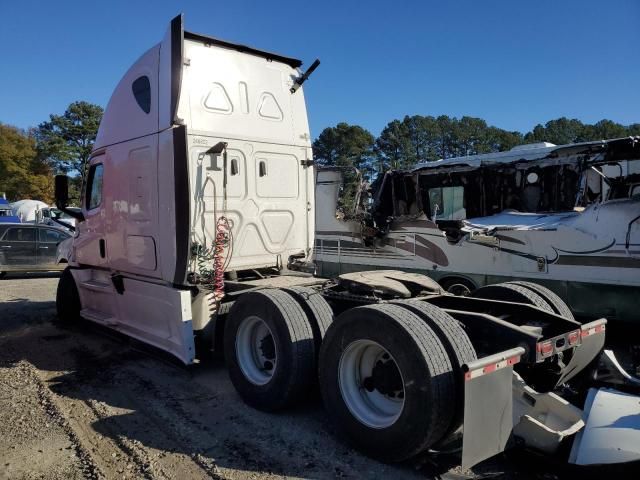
[(85, 403), (82, 402)]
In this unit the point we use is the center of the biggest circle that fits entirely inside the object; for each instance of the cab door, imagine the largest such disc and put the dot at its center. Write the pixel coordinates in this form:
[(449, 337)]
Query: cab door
[(90, 245)]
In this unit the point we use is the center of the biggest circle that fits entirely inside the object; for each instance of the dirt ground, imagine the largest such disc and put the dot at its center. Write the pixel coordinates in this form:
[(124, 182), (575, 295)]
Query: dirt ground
[(84, 403)]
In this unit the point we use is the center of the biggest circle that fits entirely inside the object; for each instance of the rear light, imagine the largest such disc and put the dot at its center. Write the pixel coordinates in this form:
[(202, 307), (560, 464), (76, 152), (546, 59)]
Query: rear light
[(593, 330), (545, 348), (573, 337)]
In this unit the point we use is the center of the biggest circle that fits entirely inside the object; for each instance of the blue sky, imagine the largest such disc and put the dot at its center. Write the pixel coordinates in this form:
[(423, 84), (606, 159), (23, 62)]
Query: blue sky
[(511, 63)]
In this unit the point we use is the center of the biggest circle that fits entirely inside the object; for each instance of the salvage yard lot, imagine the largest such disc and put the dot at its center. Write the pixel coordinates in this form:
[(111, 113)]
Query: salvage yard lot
[(83, 403)]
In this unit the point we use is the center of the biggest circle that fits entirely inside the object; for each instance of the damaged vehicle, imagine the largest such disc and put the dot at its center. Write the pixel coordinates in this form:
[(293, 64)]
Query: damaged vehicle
[(566, 217)]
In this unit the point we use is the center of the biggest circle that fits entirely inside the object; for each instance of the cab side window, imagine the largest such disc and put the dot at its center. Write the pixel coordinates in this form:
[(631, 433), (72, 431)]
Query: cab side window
[(94, 186), (141, 88)]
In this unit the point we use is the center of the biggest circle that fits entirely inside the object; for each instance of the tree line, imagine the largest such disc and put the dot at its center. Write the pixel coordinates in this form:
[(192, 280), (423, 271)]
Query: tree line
[(30, 158), (62, 144), (416, 139)]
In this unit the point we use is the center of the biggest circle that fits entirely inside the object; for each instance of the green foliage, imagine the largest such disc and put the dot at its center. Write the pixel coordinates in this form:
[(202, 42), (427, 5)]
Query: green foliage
[(22, 173), (344, 146), (564, 130), (66, 140), (417, 139), (349, 147)]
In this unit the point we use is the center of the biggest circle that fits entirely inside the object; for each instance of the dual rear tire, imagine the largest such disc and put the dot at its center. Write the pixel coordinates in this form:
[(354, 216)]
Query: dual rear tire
[(388, 381), (389, 374), (269, 349), (525, 292)]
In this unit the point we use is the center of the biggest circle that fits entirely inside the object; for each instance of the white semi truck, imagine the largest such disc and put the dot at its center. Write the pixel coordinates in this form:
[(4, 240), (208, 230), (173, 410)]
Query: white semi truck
[(199, 200)]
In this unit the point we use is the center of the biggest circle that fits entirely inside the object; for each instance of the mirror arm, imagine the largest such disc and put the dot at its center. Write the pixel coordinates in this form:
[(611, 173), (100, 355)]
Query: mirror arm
[(77, 215), (66, 225), (62, 196)]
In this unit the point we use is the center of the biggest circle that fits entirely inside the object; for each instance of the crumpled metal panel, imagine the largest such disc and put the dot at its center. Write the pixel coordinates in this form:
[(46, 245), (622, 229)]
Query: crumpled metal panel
[(612, 431)]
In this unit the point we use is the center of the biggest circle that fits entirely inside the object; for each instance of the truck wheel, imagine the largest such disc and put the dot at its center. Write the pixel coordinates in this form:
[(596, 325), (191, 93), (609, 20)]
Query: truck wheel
[(557, 304), (460, 287), (544, 376), (459, 348), (317, 310), (269, 349), (512, 293), (67, 298), (386, 381)]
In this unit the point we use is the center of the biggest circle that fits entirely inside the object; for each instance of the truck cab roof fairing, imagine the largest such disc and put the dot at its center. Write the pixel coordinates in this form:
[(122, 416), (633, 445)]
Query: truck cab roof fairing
[(163, 64), (124, 118)]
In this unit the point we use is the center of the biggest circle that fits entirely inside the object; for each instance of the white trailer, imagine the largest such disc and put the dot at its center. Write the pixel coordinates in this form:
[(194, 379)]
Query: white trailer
[(199, 193)]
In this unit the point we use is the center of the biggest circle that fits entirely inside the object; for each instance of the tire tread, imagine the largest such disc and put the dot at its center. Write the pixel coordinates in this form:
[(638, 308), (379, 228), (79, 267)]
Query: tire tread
[(517, 293), (556, 303)]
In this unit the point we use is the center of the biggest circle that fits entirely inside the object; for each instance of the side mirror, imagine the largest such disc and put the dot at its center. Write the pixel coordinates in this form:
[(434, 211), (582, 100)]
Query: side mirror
[(61, 194), (61, 191)]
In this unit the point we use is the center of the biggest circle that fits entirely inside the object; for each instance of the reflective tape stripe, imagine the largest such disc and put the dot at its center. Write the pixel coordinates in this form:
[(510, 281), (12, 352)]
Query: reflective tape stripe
[(492, 367), (592, 331)]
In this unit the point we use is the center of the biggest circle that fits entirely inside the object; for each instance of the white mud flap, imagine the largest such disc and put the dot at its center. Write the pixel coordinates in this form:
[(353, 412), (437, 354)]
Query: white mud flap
[(499, 405), (612, 431), (488, 405), (592, 343)]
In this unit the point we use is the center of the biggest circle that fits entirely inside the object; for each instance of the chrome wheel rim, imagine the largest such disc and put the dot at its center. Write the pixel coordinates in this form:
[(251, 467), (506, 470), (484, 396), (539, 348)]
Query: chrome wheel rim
[(256, 351), (371, 384), (459, 289)]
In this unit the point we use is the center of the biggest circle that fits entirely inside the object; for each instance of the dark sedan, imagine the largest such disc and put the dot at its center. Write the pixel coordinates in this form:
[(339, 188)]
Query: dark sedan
[(29, 248)]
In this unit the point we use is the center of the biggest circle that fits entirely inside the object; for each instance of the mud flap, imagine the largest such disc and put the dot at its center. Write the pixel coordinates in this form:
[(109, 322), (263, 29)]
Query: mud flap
[(592, 343), (488, 405)]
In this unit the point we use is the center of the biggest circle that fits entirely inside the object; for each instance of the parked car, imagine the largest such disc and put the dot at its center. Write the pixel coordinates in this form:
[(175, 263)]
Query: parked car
[(29, 248)]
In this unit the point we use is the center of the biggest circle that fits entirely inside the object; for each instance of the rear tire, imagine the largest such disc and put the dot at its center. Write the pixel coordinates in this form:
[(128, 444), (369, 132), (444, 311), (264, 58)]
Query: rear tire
[(557, 304), (368, 342), (459, 348), (317, 310), (269, 349), (509, 292), (542, 376), (67, 299)]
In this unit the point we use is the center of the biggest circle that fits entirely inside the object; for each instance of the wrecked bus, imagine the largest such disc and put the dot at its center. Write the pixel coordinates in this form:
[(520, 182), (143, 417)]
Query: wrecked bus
[(567, 217)]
